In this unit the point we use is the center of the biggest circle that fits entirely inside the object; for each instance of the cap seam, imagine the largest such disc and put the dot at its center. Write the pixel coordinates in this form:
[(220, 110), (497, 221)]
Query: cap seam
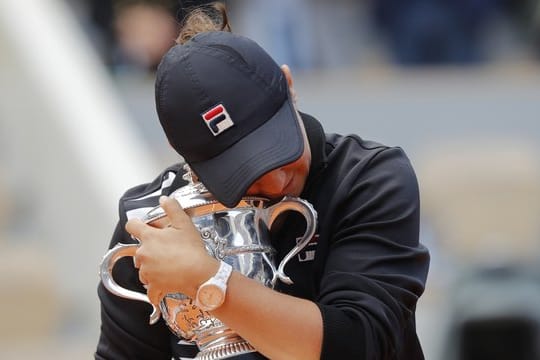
[(193, 76), (245, 68)]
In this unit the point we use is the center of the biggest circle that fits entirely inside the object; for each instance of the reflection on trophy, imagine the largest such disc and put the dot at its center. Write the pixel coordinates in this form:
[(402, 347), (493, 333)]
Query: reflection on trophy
[(240, 237)]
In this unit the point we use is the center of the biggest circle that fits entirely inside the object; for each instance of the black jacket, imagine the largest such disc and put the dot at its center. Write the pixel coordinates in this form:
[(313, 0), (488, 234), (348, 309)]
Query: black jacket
[(364, 268)]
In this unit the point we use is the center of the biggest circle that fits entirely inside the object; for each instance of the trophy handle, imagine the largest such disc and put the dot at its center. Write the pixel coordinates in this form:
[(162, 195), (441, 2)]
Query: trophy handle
[(105, 272), (306, 209)]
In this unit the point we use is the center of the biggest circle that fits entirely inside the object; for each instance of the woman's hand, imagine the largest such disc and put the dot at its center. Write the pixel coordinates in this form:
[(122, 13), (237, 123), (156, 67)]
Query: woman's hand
[(173, 258)]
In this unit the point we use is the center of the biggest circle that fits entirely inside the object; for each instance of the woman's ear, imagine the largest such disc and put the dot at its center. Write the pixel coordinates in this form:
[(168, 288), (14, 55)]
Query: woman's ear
[(287, 72)]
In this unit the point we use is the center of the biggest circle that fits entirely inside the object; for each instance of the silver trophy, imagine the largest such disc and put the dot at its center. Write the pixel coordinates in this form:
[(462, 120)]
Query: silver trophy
[(240, 237)]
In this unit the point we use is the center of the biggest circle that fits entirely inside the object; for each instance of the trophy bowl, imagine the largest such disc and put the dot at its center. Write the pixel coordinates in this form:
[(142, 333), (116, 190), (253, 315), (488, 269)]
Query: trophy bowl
[(239, 236)]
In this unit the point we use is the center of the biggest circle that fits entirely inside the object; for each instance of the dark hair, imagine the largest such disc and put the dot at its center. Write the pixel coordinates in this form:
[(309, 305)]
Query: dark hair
[(211, 17)]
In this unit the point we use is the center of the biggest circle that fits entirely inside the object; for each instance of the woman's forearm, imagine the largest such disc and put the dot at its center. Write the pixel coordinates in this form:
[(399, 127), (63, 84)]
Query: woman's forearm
[(279, 326)]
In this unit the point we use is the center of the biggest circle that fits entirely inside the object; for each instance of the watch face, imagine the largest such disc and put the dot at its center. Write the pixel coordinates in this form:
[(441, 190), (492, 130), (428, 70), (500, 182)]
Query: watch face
[(210, 296)]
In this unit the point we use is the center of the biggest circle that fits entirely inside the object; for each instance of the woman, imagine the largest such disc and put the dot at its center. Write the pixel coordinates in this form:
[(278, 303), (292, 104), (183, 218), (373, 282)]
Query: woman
[(357, 282)]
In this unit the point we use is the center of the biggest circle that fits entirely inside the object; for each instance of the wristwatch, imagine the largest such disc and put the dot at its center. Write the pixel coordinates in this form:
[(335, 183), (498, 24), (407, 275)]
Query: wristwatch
[(211, 293)]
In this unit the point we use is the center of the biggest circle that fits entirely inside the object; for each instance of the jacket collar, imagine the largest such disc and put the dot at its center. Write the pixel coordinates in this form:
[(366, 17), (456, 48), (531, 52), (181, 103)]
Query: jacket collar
[(317, 139)]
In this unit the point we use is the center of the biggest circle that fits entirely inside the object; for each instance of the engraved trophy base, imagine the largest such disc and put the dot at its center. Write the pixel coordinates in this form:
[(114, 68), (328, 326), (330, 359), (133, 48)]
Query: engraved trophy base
[(221, 343), (214, 339), (225, 351)]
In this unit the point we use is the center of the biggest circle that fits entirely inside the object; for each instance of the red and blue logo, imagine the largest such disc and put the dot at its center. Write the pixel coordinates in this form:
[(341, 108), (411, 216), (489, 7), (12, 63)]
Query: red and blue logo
[(217, 119)]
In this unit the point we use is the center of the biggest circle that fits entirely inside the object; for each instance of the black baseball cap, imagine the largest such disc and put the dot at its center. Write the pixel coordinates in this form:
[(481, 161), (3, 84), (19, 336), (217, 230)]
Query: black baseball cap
[(225, 107)]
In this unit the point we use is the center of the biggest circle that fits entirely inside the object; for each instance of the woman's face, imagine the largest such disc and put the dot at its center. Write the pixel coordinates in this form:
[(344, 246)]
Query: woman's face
[(286, 180)]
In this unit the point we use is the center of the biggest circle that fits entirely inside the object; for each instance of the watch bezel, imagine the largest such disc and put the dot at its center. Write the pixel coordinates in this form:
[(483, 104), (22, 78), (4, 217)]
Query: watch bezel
[(219, 283), (201, 300)]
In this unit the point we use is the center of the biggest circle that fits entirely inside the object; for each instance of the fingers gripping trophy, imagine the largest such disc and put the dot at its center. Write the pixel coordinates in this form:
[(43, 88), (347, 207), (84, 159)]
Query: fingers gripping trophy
[(239, 237)]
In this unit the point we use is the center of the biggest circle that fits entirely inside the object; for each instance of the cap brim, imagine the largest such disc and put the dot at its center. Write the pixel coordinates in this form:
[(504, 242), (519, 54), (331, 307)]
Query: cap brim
[(277, 142)]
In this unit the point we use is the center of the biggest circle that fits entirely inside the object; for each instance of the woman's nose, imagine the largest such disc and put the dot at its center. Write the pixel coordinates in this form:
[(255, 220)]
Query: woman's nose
[(271, 183), (277, 179)]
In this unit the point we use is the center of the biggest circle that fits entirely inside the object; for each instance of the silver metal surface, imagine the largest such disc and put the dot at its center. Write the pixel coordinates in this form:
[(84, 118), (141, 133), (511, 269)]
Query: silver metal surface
[(238, 236)]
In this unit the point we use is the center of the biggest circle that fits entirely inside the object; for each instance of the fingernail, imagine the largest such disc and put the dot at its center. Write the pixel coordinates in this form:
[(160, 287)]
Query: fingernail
[(162, 198)]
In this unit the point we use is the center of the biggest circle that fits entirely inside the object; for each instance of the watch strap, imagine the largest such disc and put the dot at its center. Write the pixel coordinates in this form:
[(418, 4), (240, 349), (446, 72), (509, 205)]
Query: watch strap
[(223, 274), (219, 280)]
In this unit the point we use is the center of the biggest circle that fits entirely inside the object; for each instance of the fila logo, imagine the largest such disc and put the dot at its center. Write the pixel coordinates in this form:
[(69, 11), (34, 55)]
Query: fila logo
[(217, 119)]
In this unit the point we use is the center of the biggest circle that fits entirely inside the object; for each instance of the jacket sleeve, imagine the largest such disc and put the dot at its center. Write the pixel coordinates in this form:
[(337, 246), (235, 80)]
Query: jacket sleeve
[(376, 268), (125, 330)]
